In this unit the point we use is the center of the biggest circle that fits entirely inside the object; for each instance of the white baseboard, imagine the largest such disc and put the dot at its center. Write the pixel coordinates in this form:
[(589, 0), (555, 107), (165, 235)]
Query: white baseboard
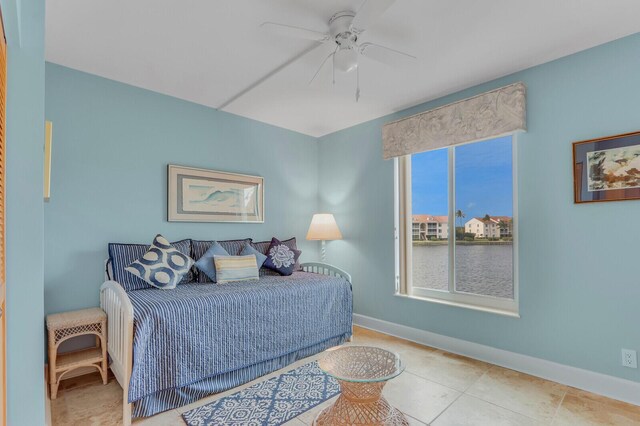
[(602, 384)]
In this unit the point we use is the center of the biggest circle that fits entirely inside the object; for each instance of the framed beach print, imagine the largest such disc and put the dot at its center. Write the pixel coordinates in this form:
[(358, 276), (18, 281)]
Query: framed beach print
[(607, 169), (200, 195)]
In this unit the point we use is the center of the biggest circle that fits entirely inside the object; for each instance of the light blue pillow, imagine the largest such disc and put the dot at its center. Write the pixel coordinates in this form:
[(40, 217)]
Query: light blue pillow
[(206, 265), (247, 250)]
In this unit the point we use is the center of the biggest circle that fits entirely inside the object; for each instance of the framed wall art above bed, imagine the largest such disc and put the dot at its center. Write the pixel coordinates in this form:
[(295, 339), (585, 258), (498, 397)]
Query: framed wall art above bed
[(607, 169), (200, 195)]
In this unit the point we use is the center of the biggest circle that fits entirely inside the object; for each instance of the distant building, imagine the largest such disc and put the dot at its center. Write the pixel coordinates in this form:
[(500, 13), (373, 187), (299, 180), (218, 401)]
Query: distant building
[(494, 227), (428, 227)]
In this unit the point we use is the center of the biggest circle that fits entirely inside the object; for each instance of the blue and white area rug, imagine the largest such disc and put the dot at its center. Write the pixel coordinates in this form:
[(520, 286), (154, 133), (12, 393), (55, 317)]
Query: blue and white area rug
[(269, 403)]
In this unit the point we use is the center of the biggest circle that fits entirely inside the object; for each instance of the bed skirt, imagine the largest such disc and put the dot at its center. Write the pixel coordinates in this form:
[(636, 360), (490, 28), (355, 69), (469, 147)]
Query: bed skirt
[(174, 398)]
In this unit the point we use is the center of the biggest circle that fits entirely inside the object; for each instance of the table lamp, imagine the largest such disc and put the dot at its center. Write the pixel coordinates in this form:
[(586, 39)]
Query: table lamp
[(323, 228)]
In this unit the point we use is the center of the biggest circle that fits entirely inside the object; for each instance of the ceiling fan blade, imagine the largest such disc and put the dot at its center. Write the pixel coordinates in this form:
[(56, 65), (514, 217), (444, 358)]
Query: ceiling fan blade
[(296, 32), (322, 66), (368, 13), (386, 55)]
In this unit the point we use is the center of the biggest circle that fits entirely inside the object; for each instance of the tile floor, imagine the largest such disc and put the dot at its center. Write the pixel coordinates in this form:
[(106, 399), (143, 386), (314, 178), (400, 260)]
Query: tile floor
[(437, 388)]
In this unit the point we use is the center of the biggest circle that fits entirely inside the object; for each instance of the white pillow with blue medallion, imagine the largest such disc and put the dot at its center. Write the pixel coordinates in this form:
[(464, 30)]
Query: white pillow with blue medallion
[(162, 266)]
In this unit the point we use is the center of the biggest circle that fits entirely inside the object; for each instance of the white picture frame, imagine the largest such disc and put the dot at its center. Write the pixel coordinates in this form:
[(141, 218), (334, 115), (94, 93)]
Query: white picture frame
[(201, 195)]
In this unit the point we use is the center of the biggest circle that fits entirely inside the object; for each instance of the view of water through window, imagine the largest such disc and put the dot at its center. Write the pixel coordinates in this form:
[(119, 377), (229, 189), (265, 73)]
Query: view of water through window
[(483, 218)]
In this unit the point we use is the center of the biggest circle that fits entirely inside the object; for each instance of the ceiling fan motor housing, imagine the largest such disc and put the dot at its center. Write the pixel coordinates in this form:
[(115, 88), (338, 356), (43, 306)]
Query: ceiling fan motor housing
[(340, 24), (346, 55)]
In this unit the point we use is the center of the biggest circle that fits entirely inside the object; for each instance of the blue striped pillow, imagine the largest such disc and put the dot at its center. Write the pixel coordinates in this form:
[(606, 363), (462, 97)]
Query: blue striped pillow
[(235, 268), (123, 255)]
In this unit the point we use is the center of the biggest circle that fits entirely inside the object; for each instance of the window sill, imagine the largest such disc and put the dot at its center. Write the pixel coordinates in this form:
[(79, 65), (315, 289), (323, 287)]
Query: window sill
[(496, 311)]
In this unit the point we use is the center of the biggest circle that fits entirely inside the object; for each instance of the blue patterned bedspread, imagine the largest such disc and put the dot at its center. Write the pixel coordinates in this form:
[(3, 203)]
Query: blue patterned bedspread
[(198, 331)]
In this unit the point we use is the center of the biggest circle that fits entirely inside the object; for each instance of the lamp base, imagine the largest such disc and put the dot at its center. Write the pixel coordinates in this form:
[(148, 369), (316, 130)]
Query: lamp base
[(323, 251)]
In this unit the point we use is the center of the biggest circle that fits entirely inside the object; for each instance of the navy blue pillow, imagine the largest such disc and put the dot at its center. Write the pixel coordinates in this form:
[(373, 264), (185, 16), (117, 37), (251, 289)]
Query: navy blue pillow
[(281, 258), (263, 247)]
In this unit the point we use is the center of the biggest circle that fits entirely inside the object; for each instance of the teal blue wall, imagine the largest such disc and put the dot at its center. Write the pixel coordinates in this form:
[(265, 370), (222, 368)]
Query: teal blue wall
[(24, 25), (111, 146), (579, 281)]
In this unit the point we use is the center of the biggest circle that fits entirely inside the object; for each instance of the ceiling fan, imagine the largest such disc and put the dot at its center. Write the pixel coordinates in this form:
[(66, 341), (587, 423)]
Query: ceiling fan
[(343, 33)]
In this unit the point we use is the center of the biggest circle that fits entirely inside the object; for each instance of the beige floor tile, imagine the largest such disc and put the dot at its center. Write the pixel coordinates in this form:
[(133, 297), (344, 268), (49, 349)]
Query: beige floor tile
[(412, 421), (584, 408), (85, 380), (422, 392), (295, 422), (308, 416), (531, 396), (451, 370), (470, 411), (92, 405), (168, 418), (418, 397), (363, 336)]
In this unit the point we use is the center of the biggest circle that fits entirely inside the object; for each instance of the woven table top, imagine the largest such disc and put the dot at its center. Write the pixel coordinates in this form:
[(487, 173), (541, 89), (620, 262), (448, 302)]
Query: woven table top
[(75, 318), (364, 364)]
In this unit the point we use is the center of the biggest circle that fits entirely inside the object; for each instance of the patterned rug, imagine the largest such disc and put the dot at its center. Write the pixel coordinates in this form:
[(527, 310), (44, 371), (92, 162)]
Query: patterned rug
[(269, 403)]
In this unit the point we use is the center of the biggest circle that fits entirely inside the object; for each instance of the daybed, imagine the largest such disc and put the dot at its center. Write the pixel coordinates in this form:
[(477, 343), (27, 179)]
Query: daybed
[(169, 348)]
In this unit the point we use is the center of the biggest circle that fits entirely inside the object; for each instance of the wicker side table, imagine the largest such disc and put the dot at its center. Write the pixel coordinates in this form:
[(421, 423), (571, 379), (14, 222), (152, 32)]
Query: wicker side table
[(362, 372), (66, 325)]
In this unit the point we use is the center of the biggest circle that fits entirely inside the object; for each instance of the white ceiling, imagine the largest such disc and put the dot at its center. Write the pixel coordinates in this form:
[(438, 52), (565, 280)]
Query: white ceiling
[(206, 51)]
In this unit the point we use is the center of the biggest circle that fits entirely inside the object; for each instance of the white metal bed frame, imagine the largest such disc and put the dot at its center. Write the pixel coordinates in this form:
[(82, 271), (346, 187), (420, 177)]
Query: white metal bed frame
[(115, 302)]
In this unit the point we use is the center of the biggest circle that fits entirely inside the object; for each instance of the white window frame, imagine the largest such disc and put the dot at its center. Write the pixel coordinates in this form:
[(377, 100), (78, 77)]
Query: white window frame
[(404, 243)]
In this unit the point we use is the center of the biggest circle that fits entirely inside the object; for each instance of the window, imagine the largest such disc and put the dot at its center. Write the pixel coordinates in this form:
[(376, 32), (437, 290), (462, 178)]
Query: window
[(469, 190)]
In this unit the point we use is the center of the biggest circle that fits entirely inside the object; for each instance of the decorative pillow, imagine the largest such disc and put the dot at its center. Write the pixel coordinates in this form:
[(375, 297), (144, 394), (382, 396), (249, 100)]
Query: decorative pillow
[(263, 247), (260, 258), (235, 268), (162, 266), (281, 258), (205, 263), (122, 255), (199, 248)]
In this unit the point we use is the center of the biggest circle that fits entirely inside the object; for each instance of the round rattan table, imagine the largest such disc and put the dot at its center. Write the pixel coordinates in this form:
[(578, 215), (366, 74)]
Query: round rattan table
[(362, 372)]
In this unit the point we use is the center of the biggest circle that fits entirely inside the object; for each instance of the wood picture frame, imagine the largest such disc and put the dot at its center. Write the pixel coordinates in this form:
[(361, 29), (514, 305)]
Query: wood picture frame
[(201, 195), (607, 169)]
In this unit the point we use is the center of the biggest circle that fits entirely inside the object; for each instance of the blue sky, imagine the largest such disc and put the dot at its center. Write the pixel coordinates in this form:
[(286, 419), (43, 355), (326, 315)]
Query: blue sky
[(483, 180)]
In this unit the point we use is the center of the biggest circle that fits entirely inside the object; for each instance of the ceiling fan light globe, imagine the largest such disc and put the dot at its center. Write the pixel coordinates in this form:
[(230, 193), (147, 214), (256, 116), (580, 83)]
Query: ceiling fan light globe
[(346, 60)]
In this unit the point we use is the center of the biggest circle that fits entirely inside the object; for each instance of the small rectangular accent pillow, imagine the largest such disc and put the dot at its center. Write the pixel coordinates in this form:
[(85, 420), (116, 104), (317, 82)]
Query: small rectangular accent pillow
[(162, 266), (260, 258), (206, 265), (235, 268), (281, 258), (198, 249), (122, 255)]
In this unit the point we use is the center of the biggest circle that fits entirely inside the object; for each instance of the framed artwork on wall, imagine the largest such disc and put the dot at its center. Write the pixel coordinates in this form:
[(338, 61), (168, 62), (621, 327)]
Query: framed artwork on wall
[(200, 195), (607, 169)]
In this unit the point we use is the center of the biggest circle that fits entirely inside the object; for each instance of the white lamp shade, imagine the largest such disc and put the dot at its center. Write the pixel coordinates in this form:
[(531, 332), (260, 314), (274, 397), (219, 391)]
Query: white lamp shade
[(324, 227)]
